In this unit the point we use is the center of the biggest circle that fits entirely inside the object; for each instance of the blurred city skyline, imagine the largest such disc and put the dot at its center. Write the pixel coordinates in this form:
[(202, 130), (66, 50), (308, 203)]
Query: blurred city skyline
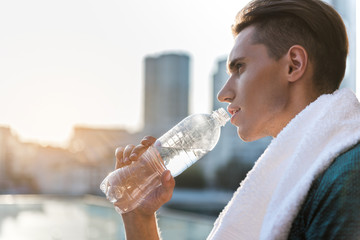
[(81, 63)]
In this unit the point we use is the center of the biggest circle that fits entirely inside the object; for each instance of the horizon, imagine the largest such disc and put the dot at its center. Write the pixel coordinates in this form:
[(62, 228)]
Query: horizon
[(81, 62)]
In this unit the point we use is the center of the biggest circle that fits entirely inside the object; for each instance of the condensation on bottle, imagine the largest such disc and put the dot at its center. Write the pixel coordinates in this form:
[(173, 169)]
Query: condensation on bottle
[(176, 150)]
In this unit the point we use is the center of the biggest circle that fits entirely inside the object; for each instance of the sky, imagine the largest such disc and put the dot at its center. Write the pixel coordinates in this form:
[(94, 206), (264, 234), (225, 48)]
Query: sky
[(80, 62)]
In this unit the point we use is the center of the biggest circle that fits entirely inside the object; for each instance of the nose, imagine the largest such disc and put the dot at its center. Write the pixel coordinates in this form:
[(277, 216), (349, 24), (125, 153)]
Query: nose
[(226, 94)]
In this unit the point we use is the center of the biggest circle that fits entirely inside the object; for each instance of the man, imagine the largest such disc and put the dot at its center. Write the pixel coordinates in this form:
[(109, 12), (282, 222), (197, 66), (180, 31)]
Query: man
[(286, 65)]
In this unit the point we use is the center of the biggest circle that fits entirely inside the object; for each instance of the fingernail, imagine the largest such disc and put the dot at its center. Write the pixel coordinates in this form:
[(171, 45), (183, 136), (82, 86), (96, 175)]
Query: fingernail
[(168, 177), (132, 156)]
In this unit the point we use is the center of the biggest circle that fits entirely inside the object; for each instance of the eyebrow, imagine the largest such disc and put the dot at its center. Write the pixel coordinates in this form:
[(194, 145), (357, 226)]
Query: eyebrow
[(230, 66)]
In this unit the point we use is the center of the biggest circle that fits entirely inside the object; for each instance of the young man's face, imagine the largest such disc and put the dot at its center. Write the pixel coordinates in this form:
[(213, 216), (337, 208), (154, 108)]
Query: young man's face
[(256, 89)]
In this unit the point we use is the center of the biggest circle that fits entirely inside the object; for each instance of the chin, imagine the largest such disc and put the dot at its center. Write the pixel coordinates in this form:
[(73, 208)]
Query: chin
[(246, 136)]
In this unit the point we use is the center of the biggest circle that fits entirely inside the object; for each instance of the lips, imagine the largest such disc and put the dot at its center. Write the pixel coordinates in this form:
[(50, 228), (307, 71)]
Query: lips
[(233, 111)]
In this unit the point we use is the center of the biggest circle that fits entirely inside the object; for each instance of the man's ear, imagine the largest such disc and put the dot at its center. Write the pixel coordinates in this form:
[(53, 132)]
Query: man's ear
[(297, 62)]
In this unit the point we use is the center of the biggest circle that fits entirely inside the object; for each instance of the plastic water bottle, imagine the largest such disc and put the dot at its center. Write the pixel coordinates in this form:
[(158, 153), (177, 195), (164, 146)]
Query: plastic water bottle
[(176, 150)]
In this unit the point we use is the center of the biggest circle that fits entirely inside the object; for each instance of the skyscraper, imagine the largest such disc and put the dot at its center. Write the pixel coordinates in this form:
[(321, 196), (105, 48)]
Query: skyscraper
[(230, 147), (166, 91), (347, 11)]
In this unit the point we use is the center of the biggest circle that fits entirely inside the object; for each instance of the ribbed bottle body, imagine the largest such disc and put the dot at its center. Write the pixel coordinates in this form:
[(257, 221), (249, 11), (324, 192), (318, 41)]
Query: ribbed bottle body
[(176, 150)]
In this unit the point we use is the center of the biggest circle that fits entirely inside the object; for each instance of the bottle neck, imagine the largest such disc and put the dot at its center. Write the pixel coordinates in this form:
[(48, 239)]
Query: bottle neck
[(221, 116)]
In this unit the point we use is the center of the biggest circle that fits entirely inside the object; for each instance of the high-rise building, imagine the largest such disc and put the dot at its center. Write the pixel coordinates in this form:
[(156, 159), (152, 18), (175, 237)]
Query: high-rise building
[(166, 91), (230, 147), (219, 80), (5, 162), (347, 10)]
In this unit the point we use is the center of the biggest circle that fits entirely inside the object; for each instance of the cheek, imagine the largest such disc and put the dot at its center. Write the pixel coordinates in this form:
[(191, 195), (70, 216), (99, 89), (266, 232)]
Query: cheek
[(245, 88), (261, 88), (271, 87), (263, 96), (252, 91), (277, 92)]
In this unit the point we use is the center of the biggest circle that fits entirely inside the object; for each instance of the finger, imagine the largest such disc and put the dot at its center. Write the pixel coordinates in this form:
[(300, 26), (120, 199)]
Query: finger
[(119, 152), (127, 153), (137, 152), (167, 186), (148, 140), (119, 155)]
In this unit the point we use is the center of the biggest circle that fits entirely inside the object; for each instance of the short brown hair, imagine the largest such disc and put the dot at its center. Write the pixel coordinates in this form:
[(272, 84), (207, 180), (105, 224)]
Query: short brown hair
[(312, 24)]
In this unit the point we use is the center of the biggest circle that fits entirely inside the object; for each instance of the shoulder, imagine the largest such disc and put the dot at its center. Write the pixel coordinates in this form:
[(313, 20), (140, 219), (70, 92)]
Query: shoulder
[(342, 176), (331, 208), (344, 169), (338, 187), (348, 160)]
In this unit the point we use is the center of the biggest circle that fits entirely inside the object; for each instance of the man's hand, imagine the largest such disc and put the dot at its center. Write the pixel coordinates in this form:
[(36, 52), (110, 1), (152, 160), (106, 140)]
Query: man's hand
[(141, 222)]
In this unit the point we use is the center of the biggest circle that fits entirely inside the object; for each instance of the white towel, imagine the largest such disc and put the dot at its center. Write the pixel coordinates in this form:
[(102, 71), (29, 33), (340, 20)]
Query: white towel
[(268, 200)]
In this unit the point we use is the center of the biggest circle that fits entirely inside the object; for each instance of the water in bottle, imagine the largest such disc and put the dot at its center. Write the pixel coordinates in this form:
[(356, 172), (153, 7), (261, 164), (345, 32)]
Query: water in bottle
[(176, 150)]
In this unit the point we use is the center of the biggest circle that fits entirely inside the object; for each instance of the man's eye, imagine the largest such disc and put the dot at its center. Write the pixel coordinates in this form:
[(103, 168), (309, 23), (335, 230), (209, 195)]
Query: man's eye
[(238, 66)]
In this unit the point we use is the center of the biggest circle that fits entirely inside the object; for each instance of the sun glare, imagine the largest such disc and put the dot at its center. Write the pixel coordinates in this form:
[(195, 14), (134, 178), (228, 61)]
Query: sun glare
[(87, 68)]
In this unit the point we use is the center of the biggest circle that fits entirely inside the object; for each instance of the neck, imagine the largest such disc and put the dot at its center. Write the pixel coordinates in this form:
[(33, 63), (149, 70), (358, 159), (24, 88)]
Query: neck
[(299, 98)]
